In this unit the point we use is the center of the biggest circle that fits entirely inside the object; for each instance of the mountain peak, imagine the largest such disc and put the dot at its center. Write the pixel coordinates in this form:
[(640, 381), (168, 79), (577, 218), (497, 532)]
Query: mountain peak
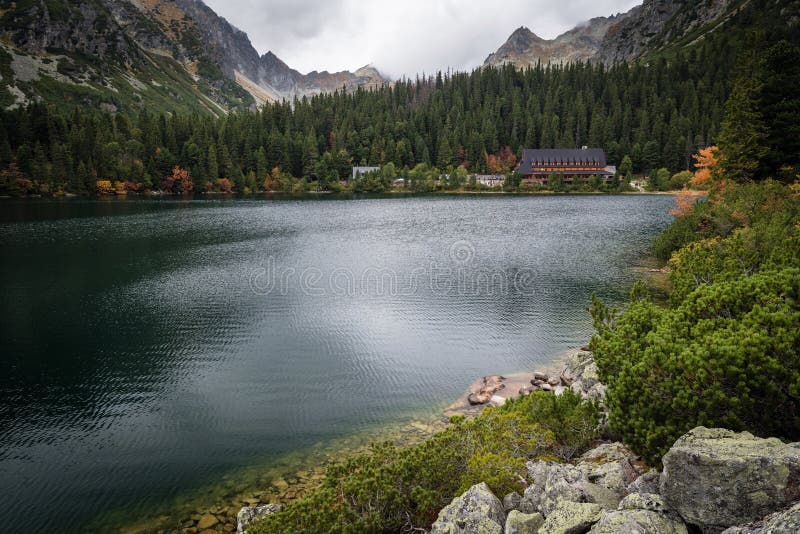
[(271, 59), (620, 37), (368, 71), (523, 32)]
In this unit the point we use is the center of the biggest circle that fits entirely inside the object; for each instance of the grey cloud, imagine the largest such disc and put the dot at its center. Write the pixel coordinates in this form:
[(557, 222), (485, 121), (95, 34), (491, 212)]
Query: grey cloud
[(400, 38)]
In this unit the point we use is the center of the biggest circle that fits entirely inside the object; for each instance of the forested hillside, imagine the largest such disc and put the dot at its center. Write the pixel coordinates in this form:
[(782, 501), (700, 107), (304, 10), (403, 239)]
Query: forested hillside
[(659, 112)]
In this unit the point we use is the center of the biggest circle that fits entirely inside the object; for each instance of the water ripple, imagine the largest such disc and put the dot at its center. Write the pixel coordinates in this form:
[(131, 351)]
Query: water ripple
[(140, 362)]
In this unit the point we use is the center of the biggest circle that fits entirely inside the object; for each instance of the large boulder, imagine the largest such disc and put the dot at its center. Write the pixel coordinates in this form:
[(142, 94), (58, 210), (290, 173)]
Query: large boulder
[(609, 465), (571, 518), (477, 511), (716, 478), (552, 483), (614, 475), (786, 522), (519, 523), (577, 362), (639, 521), (563, 483), (248, 514), (590, 376)]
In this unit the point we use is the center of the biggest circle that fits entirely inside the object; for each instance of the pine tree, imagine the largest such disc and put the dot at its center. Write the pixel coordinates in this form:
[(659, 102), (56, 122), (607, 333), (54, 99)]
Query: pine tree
[(743, 137)]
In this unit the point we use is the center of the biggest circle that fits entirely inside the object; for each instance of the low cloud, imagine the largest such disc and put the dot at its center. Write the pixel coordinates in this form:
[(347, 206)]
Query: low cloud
[(400, 38)]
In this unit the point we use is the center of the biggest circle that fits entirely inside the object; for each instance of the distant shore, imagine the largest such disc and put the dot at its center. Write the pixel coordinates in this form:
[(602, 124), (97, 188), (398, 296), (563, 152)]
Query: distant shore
[(334, 194)]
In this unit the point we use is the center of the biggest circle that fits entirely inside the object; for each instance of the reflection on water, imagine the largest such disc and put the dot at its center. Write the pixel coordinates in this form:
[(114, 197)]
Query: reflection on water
[(151, 347)]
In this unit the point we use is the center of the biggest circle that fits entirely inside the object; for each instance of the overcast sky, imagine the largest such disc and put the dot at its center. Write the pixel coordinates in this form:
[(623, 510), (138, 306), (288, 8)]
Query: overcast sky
[(400, 37)]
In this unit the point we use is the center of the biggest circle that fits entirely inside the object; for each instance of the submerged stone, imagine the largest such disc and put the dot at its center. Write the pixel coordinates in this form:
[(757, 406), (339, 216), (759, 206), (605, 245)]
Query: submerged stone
[(207, 521)]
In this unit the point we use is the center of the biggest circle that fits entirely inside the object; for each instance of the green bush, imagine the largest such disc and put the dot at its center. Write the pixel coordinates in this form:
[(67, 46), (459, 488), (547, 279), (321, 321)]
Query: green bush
[(725, 351), (728, 356), (390, 489), (682, 231), (680, 180)]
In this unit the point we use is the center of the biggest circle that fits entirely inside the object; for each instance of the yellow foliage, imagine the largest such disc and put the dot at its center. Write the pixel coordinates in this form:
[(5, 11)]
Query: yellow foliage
[(104, 187)]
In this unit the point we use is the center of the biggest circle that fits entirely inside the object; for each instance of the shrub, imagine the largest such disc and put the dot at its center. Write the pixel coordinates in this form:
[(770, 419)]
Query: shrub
[(680, 180), (682, 231), (727, 356), (389, 490), (725, 351)]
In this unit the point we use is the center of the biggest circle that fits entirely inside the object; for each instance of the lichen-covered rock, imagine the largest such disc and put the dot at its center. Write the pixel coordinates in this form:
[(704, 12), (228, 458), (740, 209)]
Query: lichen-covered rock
[(577, 362), (615, 475), (647, 483), (564, 483), (552, 483), (606, 498), (477, 511), (644, 501), (511, 501), (639, 521), (785, 522), (534, 494), (716, 478), (519, 523), (609, 465), (571, 518), (248, 514), (590, 375), (607, 453), (597, 392)]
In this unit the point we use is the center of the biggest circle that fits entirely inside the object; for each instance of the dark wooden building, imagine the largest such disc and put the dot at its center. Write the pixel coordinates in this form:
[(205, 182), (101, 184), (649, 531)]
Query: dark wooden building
[(538, 165)]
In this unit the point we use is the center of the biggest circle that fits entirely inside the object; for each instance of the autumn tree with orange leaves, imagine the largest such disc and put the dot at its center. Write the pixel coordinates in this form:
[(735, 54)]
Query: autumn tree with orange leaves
[(704, 179), (180, 181), (502, 163), (705, 162)]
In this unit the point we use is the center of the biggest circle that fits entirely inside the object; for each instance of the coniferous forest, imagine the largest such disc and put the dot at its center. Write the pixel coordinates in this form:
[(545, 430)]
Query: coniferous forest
[(658, 112)]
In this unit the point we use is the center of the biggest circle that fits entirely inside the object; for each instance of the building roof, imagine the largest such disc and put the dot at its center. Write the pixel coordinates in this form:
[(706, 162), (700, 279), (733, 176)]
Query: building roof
[(554, 157)]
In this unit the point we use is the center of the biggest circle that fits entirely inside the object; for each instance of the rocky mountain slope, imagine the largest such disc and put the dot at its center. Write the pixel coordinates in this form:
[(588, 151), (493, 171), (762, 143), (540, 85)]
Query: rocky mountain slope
[(627, 36), (267, 77), (175, 55), (582, 43)]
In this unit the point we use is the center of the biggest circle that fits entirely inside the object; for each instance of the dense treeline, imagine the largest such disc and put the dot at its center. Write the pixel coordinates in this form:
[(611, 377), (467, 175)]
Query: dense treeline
[(658, 113)]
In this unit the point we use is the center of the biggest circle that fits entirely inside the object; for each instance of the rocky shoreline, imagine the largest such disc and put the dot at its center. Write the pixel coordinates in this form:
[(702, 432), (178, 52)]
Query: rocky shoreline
[(713, 480), (575, 369)]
